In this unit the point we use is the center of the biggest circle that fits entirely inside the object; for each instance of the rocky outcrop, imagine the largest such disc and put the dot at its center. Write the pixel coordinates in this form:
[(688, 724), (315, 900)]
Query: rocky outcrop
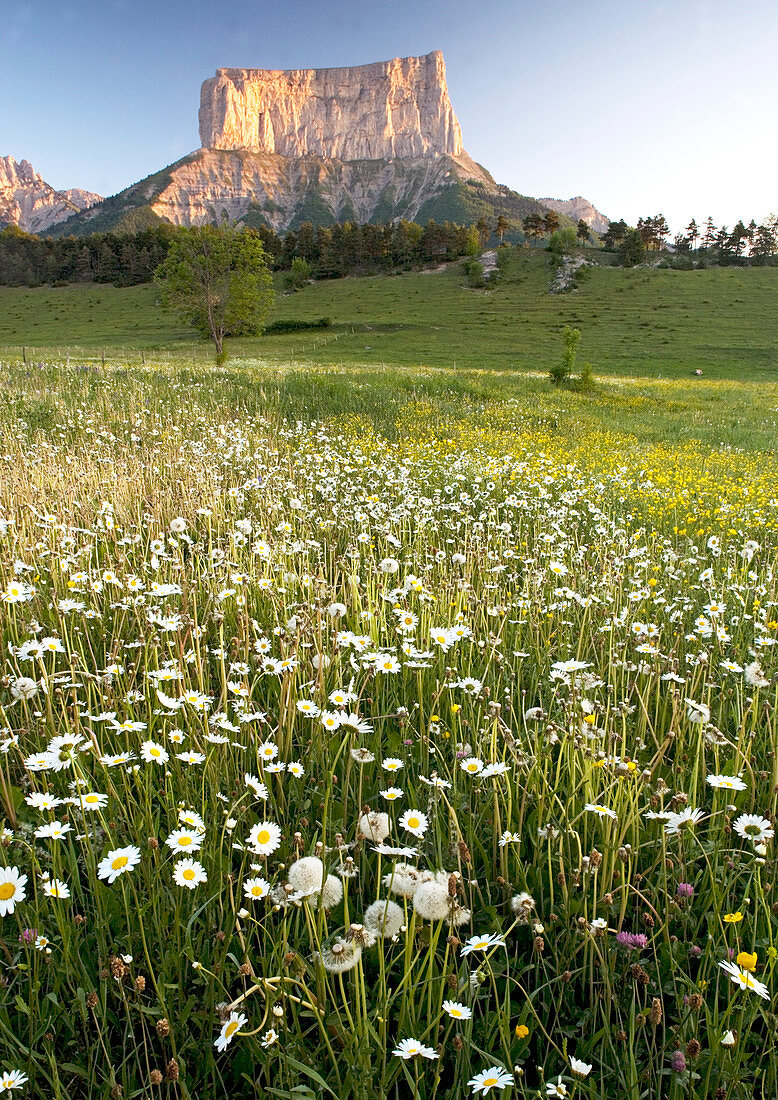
[(390, 109), (579, 209), (28, 201)]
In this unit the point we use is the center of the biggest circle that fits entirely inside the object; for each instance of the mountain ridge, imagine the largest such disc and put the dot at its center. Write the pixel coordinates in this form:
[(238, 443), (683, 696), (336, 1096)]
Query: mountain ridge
[(32, 204)]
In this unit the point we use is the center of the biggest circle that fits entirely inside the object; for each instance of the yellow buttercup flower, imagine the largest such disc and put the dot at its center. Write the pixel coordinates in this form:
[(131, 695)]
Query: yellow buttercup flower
[(733, 918), (522, 1031), (746, 961)]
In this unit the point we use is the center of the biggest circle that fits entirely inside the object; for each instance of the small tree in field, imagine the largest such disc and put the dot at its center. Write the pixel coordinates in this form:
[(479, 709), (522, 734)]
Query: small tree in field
[(217, 279), (561, 372)]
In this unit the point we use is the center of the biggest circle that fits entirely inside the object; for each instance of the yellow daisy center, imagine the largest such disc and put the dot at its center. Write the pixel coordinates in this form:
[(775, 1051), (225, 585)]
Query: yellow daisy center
[(490, 1081), (119, 862), (189, 874), (231, 1029), (184, 841), (257, 891), (263, 837), (7, 891), (413, 822)]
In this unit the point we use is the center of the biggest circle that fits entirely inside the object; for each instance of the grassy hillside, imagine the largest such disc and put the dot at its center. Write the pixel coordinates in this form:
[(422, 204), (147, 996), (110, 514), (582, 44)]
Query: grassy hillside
[(643, 322)]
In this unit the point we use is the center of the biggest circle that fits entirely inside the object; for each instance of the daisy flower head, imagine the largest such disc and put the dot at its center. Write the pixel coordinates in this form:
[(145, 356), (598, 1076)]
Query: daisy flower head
[(152, 753), (557, 1090), (12, 885), (754, 828), (412, 1048), (391, 794), (579, 1068), (457, 1011), (472, 765), (264, 838), (415, 822), (601, 811), (118, 861), (12, 1079), (689, 817), (256, 888), (255, 785), (40, 801), (482, 943), (92, 800), (53, 830), (234, 1022), (185, 840), (55, 888), (189, 873), (744, 980), (726, 782), (494, 1078), (392, 764)]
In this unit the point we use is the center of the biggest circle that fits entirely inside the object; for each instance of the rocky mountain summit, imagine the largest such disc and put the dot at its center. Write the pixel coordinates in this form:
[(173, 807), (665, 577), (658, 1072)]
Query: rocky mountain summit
[(398, 108), (28, 201), (579, 209), (280, 147)]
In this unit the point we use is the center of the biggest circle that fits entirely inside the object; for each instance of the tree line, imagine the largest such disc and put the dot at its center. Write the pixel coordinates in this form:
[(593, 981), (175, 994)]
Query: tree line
[(742, 244), (324, 252)]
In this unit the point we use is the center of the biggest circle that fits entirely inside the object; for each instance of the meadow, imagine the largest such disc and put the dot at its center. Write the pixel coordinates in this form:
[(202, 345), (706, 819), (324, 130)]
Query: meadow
[(645, 322), (403, 732)]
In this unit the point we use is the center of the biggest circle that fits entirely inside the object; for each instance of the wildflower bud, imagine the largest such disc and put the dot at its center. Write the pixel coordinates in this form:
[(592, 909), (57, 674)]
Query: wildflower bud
[(678, 1061), (289, 958), (140, 983), (453, 942), (655, 1014), (623, 854), (91, 1000), (79, 919), (116, 1092), (278, 1011), (595, 859), (163, 1027), (244, 970), (648, 920), (452, 886), (695, 1003), (452, 981), (171, 1072), (607, 899), (566, 977), (621, 1036), (720, 1093), (155, 1077), (539, 944), (153, 843), (457, 1042), (693, 1049), (464, 853)]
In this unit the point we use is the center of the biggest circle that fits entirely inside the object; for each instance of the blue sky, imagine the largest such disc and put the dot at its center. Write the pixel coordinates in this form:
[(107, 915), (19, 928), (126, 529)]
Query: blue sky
[(642, 107)]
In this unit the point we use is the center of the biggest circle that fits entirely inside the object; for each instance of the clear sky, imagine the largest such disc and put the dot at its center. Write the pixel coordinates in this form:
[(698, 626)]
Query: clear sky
[(641, 106)]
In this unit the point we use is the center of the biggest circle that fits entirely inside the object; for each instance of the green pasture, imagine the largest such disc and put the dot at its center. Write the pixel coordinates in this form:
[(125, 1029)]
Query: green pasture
[(645, 322)]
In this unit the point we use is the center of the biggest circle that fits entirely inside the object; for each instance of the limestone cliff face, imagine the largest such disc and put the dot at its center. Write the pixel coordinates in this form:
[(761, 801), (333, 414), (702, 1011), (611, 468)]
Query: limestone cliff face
[(390, 109), (28, 201), (287, 190), (579, 209)]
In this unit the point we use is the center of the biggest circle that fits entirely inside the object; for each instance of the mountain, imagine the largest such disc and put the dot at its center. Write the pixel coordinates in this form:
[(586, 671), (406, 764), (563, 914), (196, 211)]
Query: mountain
[(28, 201), (579, 209), (280, 147)]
